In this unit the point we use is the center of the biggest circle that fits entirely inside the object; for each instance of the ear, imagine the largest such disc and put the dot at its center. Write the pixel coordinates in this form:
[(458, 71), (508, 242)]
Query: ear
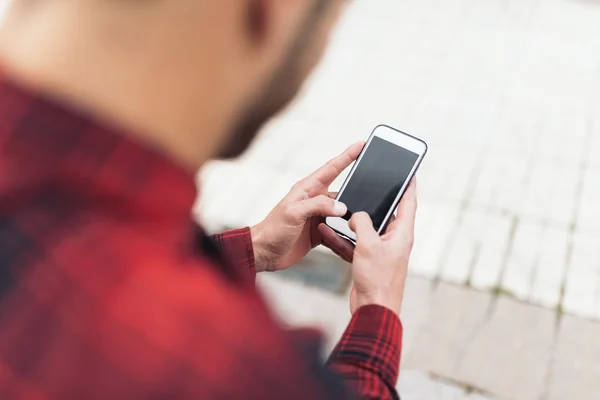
[(259, 19), (273, 20)]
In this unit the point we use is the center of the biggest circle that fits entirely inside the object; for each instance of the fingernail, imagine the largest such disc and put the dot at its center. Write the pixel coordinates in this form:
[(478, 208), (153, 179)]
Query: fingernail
[(339, 207)]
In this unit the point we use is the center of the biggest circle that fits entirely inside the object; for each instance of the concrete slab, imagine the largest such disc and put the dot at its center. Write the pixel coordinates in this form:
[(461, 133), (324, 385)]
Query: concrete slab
[(456, 315), (583, 282), (414, 385), (509, 355), (575, 372), (551, 267), (519, 273), (416, 308)]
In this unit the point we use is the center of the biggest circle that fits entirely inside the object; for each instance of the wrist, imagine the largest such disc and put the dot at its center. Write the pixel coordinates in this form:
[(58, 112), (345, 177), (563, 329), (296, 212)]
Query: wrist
[(392, 302), (259, 247)]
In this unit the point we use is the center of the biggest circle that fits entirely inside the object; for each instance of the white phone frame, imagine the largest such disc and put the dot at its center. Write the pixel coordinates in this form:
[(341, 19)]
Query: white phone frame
[(395, 137)]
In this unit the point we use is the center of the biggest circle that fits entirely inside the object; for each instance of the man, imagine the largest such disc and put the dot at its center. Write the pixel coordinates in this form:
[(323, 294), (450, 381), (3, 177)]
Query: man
[(108, 107)]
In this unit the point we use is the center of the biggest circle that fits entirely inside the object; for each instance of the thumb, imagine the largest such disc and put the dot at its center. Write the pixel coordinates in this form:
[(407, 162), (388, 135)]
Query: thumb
[(361, 224), (322, 206)]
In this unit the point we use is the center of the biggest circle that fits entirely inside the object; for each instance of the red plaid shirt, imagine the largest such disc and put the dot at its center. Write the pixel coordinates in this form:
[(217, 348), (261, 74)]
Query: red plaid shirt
[(108, 292)]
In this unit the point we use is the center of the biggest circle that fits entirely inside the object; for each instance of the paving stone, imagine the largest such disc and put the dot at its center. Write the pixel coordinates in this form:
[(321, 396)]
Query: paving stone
[(502, 181), (461, 253), (475, 396), (551, 267), (277, 142), (576, 365), (414, 385), (536, 265), (435, 221), (552, 148), (509, 354), (519, 273), (416, 308), (594, 148), (456, 314), (589, 218), (477, 249), (515, 132), (449, 176), (544, 199), (582, 282)]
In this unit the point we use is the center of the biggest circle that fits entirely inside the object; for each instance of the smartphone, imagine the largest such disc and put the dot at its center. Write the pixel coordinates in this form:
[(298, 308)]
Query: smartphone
[(379, 178)]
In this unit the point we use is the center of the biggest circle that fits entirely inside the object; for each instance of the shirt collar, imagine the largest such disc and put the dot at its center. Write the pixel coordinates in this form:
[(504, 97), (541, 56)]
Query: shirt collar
[(44, 143)]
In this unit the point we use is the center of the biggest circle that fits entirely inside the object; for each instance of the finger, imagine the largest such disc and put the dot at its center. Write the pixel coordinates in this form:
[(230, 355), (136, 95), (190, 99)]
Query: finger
[(325, 175), (322, 206), (332, 195), (362, 226), (407, 210), (340, 246)]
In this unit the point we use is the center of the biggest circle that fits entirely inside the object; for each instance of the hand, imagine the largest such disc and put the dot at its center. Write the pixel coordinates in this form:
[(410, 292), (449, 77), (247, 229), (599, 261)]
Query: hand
[(292, 229), (381, 262)]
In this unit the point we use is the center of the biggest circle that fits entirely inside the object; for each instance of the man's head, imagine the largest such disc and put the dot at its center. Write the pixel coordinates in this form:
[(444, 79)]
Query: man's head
[(197, 78)]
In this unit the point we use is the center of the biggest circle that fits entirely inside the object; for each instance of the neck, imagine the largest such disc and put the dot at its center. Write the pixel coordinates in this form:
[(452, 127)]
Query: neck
[(118, 64)]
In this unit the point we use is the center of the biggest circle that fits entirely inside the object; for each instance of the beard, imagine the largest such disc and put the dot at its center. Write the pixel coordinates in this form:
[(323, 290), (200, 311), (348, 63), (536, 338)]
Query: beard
[(277, 93), (271, 100)]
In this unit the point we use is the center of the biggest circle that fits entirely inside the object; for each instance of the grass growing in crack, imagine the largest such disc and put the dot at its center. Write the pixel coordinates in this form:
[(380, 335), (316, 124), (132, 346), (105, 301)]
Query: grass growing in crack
[(470, 389), (500, 291), (559, 310)]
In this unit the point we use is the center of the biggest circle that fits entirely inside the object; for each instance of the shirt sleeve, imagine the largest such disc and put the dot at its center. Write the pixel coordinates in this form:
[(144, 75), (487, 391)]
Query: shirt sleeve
[(236, 247), (368, 354)]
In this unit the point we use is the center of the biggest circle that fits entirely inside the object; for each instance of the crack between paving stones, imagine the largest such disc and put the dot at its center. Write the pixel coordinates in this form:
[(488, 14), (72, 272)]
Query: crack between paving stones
[(449, 242), (583, 167), (514, 223), (473, 263), (548, 375), (537, 261)]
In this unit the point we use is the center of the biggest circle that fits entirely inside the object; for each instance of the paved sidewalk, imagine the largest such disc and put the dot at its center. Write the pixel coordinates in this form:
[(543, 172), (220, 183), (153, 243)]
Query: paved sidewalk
[(507, 259), (296, 304), (460, 343)]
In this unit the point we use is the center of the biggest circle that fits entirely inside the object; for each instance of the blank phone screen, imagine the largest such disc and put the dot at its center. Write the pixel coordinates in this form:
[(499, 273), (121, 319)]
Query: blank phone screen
[(377, 180)]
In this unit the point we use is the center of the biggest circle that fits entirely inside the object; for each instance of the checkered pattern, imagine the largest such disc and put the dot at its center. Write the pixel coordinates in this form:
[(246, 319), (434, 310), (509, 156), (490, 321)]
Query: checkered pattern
[(107, 293)]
